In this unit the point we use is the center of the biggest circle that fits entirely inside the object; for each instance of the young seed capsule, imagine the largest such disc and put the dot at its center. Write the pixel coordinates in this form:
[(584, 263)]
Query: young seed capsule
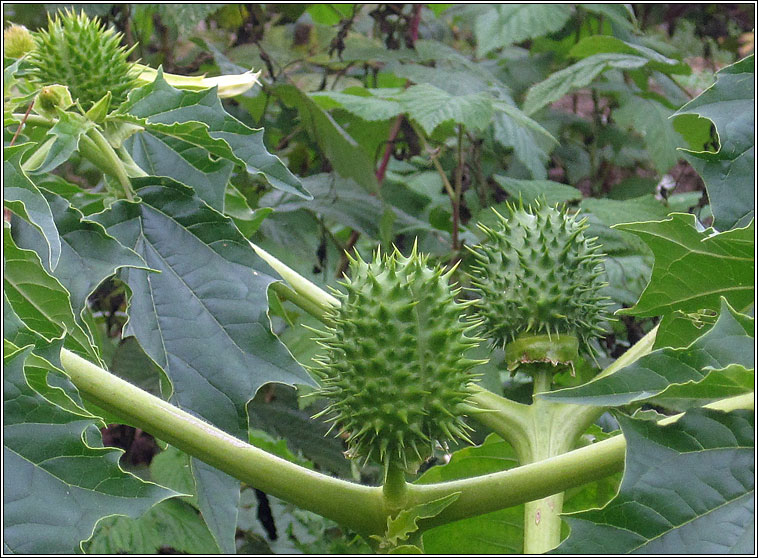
[(538, 273), (400, 395)]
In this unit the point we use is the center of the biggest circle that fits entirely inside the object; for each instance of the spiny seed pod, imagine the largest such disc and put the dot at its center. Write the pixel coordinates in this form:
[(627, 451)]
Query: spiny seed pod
[(539, 274), (17, 41), (394, 367), (83, 55)]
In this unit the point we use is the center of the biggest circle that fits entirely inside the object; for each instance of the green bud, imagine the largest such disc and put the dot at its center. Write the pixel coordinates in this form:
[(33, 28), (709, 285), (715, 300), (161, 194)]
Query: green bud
[(17, 41), (51, 99)]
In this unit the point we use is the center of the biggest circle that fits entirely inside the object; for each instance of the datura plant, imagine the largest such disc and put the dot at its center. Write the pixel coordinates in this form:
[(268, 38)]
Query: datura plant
[(415, 351)]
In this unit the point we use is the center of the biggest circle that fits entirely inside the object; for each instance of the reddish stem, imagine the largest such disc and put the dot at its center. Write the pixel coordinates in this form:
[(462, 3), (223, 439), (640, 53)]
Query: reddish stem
[(21, 124)]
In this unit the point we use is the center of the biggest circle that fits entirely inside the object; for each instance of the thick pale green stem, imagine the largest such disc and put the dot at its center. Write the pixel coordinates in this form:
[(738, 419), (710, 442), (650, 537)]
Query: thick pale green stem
[(509, 419), (394, 489), (299, 284), (356, 506), (359, 507)]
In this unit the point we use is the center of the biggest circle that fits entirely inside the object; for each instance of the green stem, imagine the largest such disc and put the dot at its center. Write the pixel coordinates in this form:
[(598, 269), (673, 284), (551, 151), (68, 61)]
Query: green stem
[(132, 169), (299, 284), (35, 120), (510, 419), (356, 506), (394, 489), (109, 162), (315, 310), (359, 507)]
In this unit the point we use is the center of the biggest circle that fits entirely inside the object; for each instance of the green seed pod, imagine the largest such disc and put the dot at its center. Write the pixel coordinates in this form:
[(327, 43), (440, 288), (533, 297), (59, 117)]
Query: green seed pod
[(83, 55), (539, 274), (51, 99), (17, 41), (394, 367)]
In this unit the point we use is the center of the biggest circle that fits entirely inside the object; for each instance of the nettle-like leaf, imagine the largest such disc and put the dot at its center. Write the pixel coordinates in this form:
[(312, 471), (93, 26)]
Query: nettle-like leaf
[(506, 24), (183, 119), (203, 319), (585, 71), (22, 196), (729, 342), (687, 488), (58, 479), (729, 173), (693, 270)]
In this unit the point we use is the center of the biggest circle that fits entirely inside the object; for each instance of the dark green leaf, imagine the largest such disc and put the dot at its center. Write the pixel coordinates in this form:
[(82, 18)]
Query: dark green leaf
[(197, 118), (729, 173), (56, 486), (88, 254), (23, 197), (728, 342), (531, 190), (693, 270), (506, 24), (687, 489)]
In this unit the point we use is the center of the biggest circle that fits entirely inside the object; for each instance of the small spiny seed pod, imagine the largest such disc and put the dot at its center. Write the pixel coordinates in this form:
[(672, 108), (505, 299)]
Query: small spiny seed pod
[(539, 274), (394, 366), (17, 41), (83, 55)]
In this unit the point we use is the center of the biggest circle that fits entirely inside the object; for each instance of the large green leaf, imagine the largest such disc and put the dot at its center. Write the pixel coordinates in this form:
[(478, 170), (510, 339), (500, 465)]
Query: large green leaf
[(203, 319), (23, 197), (39, 300), (730, 341), (688, 488), (502, 25), (346, 156), (199, 119), (431, 106), (693, 269), (733, 380), (88, 254), (596, 44), (729, 173), (58, 480)]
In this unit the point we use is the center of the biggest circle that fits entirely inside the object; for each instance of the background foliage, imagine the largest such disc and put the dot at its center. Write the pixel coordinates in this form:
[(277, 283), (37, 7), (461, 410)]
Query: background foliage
[(376, 125)]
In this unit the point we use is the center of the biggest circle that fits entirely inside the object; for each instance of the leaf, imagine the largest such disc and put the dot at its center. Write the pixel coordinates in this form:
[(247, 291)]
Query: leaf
[(342, 151), (39, 300), (431, 106), (56, 485), (218, 496), (577, 76), (651, 119), (88, 254), (23, 197), (199, 119), (620, 14), (506, 24), (158, 155), (596, 44), (65, 134), (203, 317), (733, 380), (171, 524), (728, 342), (693, 270), (360, 102), (729, 173), (687, 488), (247, 220), (530, 190), (402, 526)]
